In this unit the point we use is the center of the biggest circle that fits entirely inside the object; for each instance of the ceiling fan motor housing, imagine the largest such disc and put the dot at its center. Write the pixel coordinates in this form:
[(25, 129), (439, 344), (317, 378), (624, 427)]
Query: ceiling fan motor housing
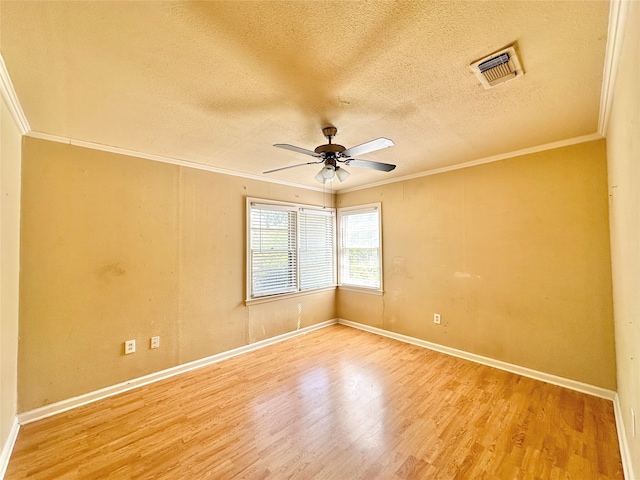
[(330, 148)]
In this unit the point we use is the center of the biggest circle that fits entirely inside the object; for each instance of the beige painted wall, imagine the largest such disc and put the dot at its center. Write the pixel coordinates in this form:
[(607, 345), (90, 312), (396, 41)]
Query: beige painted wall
[(623, 152), (117, 248), (513, 254), (10, 153)]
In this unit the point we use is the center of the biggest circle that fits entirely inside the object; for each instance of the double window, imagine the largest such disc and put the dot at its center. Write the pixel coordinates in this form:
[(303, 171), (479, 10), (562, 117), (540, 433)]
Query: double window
[(292, 248)]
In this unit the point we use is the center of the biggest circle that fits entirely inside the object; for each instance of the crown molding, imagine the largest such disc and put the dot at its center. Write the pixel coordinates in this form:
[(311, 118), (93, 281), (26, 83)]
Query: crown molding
[(11, 99), (169, 160), (617, 20), (209, 168), (482, 161), (48, 137)]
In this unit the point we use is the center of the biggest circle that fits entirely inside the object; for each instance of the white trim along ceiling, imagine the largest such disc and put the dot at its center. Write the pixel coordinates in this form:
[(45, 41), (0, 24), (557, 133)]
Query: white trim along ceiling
[(617, 16)]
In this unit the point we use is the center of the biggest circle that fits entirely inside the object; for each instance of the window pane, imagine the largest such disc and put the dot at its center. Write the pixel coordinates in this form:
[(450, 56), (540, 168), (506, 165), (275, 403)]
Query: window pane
[(360, 248), (273, 252), (361, 267)]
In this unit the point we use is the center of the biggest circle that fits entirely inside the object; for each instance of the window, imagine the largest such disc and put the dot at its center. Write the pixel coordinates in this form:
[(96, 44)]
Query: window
[(290, 248), (316, 249), (360, 247), (273, 250)]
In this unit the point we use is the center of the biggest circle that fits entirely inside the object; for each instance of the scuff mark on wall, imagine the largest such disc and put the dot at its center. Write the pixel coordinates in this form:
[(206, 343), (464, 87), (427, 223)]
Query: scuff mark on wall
[(250, 322), (466, 275), (384, 310), (399, 268), (110, 271), (257, 330), (391, 308)]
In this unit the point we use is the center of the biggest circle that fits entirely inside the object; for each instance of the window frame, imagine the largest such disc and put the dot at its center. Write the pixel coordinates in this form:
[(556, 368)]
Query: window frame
[(298, 209), (345, 211)]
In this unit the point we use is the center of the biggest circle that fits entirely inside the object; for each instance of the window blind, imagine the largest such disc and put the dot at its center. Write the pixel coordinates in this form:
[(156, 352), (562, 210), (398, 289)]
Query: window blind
[(273, 250), (316, 249)]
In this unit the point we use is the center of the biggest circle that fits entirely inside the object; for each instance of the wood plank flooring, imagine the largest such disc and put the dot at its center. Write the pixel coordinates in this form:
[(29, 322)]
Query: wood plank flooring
[(337, 403)]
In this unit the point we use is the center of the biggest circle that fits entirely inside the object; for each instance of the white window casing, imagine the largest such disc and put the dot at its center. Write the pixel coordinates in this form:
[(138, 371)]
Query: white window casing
[(360, 247), (290, 249)]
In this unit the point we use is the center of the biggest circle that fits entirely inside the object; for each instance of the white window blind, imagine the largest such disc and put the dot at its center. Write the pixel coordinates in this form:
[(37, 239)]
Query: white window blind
[(316, 249), (273, 250), (291, 248), (360, 248)]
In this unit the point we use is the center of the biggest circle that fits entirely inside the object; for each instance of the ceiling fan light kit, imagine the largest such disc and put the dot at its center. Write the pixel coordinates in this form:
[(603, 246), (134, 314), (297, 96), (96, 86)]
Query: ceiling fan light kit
[(331, 154), (342, 174), (320, 177), (328, 173)]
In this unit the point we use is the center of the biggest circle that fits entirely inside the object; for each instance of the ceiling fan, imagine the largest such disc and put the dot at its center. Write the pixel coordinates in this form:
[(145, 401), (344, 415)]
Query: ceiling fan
[(332, 154)]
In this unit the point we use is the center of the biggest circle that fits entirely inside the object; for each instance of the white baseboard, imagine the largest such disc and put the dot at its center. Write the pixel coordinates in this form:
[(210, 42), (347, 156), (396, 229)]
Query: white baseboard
[(64, 405), (5, 456), (525, 372), (509, 367), (625, 452)]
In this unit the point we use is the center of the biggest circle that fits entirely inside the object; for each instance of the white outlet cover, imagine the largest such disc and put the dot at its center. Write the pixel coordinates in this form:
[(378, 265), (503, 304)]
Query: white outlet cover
[(155, 342), (129, 347)]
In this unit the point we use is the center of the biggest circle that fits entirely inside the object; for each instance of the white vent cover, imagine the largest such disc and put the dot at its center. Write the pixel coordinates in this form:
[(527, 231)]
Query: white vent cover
[(497, 68)]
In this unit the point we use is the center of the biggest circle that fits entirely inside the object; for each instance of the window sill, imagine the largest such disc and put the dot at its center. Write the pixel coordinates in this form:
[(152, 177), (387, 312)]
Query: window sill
[(285, 296), (368, 291)]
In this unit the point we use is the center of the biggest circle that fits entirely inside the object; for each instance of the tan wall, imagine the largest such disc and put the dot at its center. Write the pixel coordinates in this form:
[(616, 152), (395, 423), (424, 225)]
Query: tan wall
[(513, 254), (10, 153), (117, 248), (623, 153)]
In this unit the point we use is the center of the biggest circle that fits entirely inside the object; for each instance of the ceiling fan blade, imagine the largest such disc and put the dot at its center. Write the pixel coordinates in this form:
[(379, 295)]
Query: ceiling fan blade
[(370, 146), (293, 166), (383, 167), (293, 148)]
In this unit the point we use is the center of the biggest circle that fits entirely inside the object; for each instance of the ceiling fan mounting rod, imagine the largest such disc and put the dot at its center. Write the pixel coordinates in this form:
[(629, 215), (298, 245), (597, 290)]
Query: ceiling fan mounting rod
[(329, 132)]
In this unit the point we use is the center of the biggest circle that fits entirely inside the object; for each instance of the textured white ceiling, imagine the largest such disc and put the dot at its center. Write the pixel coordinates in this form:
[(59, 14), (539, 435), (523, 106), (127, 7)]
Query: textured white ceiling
[(218, 83)]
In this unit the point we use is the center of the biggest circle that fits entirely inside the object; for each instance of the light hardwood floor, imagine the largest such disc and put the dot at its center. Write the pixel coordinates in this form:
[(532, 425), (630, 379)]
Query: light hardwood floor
[(337, 403)]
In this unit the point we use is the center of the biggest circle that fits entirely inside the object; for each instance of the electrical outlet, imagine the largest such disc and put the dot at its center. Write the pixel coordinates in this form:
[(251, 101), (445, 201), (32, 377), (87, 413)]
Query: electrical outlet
[(436, 318), (155, 342), (129, 347)]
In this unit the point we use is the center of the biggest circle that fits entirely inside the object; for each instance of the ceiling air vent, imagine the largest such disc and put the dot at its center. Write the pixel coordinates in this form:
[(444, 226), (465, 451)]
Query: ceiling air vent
[(498, 68)]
